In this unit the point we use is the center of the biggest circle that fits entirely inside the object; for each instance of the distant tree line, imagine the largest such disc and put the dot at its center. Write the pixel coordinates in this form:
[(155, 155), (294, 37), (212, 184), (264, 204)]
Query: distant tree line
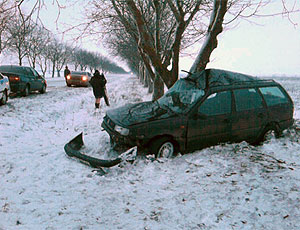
[(23, 38)]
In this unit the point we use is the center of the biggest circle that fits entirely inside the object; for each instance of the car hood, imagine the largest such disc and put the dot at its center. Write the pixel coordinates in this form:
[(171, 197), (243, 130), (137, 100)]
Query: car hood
[(131, 114)]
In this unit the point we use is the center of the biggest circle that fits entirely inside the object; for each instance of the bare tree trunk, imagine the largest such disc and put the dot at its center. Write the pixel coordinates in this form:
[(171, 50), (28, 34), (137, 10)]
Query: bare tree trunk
[(158, 88), (150, 84), (211, 42), (141, 72), (53, 70), (58, 72), (146, 81)]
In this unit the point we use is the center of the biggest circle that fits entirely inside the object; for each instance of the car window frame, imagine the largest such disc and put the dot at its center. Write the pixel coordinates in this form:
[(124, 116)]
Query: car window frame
[(286, 97), (253, 108), (215, 92)]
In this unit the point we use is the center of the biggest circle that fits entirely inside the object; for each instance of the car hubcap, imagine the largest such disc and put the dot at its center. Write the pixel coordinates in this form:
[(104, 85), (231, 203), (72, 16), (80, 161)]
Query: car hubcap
[(269, 135), (166, 150)]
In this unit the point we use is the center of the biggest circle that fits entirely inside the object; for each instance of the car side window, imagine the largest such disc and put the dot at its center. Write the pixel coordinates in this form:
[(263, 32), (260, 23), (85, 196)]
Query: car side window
[(216, 104), (28, 72), (33, 72), (247, 99), (273, 95)]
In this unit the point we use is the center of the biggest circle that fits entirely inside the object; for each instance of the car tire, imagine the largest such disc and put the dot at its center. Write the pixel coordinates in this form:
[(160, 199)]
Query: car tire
[(69, 85), (43, 90), (163, 148), (4, 98), (26, 91)]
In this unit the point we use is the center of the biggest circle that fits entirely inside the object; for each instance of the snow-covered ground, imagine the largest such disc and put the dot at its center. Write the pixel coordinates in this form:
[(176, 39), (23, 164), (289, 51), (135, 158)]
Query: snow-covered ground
[(230, 186)]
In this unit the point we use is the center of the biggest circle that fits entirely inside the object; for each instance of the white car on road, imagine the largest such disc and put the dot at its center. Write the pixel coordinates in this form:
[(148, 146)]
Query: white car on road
[(4, 89)]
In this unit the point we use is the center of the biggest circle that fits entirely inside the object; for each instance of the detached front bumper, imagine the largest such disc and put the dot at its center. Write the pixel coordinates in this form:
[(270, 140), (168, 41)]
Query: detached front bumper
[(73, 147)]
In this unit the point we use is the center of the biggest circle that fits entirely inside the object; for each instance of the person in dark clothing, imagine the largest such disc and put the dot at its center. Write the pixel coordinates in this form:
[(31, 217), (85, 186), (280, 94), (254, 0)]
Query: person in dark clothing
[(66, 73), (98, 82)]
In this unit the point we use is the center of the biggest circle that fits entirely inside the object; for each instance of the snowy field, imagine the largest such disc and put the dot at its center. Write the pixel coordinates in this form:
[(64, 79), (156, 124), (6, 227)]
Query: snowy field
[(230, 186)]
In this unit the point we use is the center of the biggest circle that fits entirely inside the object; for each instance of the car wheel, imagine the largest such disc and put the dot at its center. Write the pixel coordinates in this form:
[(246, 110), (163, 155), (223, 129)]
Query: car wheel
[(3, 98), (26, 91), (69, 85), (43, 90), (271, 131), (163, 148)]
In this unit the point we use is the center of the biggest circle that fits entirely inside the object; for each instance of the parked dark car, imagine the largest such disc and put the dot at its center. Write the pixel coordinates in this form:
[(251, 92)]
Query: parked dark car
[(4, 89), (79, 78), (201, 110), (23, 79)]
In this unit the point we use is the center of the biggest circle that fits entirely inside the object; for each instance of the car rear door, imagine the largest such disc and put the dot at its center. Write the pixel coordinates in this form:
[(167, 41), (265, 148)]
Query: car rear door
[(250, 114), (35, 81), (211, 122)]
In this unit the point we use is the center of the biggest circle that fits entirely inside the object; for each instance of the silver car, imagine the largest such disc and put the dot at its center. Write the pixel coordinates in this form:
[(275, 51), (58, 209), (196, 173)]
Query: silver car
[(4, 89), (78, 78)]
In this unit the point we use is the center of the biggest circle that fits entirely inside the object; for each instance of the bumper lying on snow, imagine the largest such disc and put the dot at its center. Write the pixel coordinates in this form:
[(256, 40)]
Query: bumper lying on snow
[(72, 149)]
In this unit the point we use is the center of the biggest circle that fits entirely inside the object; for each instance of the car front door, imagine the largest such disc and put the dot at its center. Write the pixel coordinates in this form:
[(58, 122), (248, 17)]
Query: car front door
[(211, 122), (250, 114)]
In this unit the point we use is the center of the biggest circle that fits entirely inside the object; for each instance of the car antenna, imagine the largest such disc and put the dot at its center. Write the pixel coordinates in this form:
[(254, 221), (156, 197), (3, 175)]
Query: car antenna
[(187, 72)]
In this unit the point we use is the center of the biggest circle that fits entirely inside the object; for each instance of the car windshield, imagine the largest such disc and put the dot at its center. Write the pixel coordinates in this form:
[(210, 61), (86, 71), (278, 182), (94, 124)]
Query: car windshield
[(181, 96), (78, 73)]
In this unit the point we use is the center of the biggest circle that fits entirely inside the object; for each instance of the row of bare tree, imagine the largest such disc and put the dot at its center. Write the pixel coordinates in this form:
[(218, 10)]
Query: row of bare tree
[(23, 38), (153, 33), (150, 35)]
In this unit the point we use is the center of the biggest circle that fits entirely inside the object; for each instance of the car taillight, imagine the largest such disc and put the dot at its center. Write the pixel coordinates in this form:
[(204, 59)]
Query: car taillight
[(14, 78), (84, 78), (69, 77)]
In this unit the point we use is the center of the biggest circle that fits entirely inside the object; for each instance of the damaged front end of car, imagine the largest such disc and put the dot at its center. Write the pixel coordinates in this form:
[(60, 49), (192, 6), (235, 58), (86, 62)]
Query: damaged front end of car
[(73, 149)]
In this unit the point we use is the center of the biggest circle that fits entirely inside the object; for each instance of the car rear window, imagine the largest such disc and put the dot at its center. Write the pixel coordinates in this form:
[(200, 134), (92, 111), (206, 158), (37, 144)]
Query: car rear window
[(273, 95), (247, 99), (78, 73)]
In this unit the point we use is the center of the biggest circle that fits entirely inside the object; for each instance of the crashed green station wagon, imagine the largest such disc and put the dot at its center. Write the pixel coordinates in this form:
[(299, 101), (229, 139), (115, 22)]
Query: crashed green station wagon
[(201, 110)]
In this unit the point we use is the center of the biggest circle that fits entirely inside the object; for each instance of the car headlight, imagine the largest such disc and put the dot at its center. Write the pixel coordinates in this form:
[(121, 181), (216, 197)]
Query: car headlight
[(123, 131)]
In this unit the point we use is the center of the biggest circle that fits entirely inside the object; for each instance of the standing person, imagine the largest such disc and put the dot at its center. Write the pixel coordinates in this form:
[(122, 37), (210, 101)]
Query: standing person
[(66, 73), (98, 82)]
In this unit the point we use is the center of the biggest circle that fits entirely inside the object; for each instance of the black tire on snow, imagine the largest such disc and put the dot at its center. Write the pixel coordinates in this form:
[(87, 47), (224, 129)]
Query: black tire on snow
[(163, 148), (4, 98), (26, 91), (43, 89)]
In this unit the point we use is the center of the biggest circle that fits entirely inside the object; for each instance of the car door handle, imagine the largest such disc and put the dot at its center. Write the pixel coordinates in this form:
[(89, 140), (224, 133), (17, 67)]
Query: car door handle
[(226, 120), (260, 115)]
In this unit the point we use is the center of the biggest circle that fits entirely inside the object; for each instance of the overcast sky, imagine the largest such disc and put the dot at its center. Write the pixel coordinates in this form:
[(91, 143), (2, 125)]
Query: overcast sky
[(270, 46)]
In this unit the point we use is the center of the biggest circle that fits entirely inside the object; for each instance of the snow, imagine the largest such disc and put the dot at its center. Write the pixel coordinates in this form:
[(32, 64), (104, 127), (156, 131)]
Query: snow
[(229, 186)]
